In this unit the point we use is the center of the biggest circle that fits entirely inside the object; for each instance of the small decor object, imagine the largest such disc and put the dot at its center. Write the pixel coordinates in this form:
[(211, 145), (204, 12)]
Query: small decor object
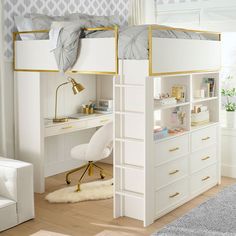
[(200, 115), (160, 132), (164, 99), (230, 106), (104, 106), (76, 87), (209, 87), (179, 92), (89, 108)]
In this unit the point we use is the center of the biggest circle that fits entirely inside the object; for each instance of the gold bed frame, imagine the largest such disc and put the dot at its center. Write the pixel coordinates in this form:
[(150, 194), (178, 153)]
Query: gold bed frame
[(116, 34)]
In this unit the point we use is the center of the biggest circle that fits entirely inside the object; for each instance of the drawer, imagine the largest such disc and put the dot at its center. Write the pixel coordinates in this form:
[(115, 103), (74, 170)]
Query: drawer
[(172, 171), (203, 138), (203, 158), (99, 121), (171, 195), (168, 150), (65, 128), (204, 178)]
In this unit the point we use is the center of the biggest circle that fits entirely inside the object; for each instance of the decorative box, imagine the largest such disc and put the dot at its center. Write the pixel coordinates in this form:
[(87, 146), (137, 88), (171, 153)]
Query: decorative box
[(200, 118)]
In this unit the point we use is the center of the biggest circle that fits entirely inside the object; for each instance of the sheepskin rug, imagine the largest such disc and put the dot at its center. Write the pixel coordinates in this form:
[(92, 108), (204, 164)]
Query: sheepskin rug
[(96, 190)]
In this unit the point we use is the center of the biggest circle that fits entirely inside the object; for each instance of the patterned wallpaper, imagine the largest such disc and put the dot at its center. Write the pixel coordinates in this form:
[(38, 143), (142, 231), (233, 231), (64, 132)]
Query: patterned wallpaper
[(58, 7), (160, 2)]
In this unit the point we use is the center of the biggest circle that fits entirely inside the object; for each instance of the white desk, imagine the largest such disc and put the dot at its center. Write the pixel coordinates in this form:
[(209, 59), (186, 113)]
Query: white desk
[(73, 125)]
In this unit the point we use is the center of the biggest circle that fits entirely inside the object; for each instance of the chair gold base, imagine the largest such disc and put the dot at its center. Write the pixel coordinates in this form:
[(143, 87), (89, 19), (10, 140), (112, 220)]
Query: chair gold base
[(88, 168)]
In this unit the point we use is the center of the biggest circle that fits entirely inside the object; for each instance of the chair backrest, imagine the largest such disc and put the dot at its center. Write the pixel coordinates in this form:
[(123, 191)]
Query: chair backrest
[(99, 141)]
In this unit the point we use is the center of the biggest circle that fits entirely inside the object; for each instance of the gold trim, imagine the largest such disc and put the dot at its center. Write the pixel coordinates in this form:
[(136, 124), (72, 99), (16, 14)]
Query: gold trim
[(174, 172), (116, 34), (205, 158), (116, 31)]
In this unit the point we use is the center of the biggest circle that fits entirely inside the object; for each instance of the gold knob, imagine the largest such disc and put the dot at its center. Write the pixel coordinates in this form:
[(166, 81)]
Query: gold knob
[(104, 120), (205, 139), (206, 178), (174, 172), (67, 127), (174, 149), (174, 195), (205, 158)]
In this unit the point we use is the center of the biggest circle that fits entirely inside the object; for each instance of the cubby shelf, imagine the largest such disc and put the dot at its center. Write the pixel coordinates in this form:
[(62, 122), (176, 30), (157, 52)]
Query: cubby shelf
[(158, 107), (170, 136), (204, 99), (193, 128)]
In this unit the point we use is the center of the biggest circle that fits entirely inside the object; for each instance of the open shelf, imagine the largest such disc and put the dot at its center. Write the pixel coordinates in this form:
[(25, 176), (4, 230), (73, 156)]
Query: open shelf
[(197, 100), (193, 128), (170, 136), (162, 107)]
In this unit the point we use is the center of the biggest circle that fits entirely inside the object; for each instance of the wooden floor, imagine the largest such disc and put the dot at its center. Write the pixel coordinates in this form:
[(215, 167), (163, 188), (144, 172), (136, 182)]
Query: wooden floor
[(94, 217)]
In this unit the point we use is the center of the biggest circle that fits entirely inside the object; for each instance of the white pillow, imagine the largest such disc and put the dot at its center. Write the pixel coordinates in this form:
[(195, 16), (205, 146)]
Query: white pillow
[(24, 24)]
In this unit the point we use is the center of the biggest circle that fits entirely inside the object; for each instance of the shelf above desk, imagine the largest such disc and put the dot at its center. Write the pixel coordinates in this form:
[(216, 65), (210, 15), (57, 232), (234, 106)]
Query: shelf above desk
[(73, 125)]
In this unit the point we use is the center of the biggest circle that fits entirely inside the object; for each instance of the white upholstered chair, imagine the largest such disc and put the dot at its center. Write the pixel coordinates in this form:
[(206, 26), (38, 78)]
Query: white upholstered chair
[(16, 193), (99, 147)]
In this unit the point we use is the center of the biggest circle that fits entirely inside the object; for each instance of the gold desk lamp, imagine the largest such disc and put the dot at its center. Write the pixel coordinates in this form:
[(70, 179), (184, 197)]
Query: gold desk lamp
[(76, 87)]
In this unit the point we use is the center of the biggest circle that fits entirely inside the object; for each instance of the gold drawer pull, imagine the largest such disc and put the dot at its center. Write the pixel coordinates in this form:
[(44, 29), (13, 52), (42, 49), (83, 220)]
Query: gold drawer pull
[(174, 172), (174, 149), (104, 120), (206, 158), (205, 139), (174, 195), (67, 127), (206, 178)]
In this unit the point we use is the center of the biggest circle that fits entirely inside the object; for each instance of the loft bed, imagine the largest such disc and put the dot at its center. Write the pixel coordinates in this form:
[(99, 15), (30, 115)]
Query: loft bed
[(164, 173), (166, 55)]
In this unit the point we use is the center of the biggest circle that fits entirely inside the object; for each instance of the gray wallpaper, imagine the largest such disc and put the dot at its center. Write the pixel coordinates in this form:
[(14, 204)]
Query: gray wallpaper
[(160, 2), (58, 7)]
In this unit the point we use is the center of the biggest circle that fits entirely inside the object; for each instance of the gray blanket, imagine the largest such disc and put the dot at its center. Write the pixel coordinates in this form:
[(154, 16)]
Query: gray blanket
[(133, 42)]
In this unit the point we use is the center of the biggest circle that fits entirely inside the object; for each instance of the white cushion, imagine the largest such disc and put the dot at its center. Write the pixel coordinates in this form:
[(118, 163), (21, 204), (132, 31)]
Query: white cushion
[(16, 184), (8, 213)]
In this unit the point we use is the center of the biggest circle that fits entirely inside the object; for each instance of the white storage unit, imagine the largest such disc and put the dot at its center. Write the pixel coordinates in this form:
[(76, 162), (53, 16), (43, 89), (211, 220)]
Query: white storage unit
[(153, 177)]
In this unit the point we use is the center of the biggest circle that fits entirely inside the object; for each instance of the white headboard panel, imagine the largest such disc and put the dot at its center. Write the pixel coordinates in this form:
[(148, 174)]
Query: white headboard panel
[(58, 7)]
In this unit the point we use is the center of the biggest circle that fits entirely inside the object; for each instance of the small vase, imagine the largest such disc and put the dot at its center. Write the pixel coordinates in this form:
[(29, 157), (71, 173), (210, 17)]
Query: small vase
[(231, 119)]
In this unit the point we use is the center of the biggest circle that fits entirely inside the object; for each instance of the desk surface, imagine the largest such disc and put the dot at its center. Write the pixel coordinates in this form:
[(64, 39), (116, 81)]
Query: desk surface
[(72, 125)]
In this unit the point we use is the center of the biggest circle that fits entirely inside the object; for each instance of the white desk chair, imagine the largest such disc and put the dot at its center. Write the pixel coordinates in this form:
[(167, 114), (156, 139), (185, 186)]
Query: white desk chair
[(99, 147)]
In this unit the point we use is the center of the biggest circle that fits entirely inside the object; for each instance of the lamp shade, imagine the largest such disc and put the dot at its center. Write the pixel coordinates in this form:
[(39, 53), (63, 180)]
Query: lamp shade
[(76, 87)]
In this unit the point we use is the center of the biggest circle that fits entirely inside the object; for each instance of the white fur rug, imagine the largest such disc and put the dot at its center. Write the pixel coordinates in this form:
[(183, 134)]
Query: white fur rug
[(96, 190)]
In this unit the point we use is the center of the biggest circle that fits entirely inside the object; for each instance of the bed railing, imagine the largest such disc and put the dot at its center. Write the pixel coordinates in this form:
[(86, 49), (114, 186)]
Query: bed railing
[(116, 35), (216, 36)]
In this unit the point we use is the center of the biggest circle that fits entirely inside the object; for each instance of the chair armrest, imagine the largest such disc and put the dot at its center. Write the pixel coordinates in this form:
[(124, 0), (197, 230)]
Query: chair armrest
[(16, 183)]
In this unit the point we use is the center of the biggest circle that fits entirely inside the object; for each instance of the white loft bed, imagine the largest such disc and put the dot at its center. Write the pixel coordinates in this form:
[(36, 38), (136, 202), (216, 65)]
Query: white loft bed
[(138, 159)]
